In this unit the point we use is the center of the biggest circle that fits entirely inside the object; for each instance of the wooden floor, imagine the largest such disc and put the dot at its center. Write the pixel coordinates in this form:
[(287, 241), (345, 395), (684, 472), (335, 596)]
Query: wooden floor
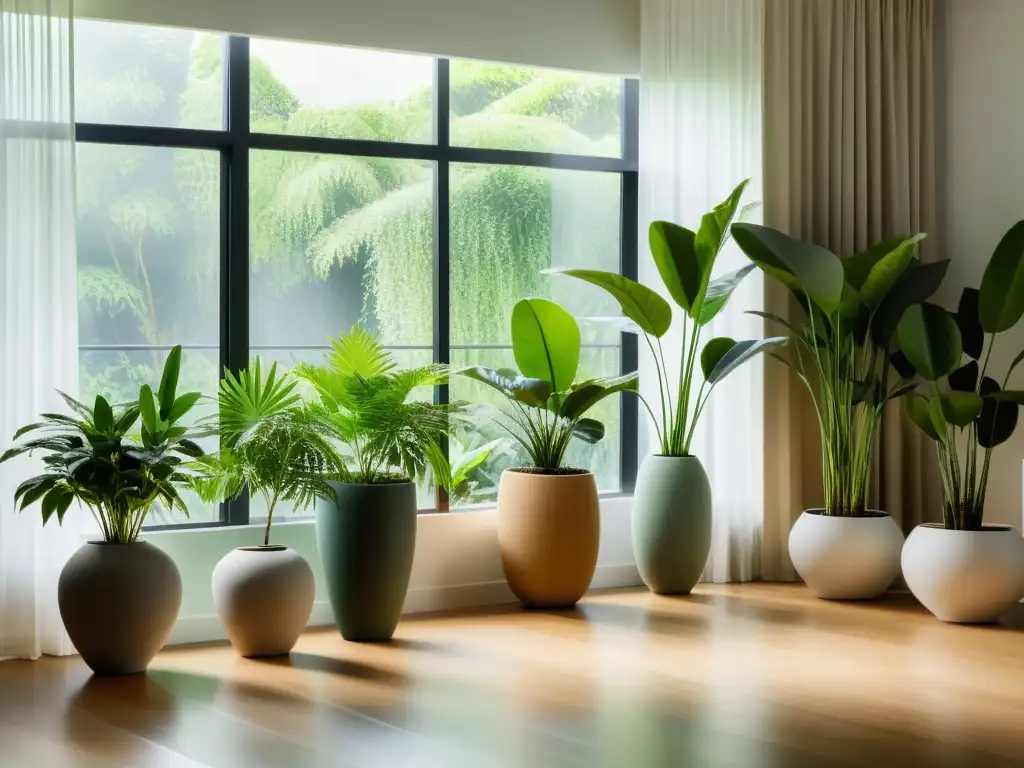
[(747, 676)]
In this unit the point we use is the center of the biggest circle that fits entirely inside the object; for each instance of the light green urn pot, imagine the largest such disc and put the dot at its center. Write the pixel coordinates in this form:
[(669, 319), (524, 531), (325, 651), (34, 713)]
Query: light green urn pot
[(671, 523)]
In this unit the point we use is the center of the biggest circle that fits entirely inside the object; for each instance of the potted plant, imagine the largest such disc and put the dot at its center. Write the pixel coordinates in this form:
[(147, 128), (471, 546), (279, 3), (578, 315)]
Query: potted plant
[(842, 353), (272, 447), (548, 514), (672, 503), (366, 532), (118, 597), (964, 570)]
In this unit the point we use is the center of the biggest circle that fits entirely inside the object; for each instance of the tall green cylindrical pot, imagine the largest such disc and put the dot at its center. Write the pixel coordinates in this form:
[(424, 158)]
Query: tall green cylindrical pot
[(671, 523), (366, 542)]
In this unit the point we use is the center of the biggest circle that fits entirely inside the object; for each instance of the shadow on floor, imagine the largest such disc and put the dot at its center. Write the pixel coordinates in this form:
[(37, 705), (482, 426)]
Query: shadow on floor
[(335, 666)]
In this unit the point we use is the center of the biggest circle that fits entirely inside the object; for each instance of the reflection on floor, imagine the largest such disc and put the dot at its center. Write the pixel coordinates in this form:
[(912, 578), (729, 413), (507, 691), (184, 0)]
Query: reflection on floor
[(746, 676)]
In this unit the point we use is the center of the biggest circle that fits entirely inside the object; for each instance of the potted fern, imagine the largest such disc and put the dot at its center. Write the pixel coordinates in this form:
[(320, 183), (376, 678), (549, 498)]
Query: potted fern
[(118, 597), (965, 570), (672, 504), (548, 514), (271, 447), (842, 353), (366, 530)]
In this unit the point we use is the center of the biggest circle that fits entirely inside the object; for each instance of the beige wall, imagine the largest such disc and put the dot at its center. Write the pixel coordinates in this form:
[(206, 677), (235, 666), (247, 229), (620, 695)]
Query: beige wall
[(587, 35), (980, 96)]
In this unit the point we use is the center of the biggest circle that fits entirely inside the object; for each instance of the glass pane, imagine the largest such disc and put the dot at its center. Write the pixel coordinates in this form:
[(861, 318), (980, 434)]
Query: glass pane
[(285, 359), (501, 106), (345, 93), (148, 271), (507, 224), (128, 74), (339, 240)]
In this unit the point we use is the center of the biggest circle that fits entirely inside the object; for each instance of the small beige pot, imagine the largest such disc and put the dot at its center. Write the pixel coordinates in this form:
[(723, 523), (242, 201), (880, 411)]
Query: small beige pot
[(549, 530), (264, 596)]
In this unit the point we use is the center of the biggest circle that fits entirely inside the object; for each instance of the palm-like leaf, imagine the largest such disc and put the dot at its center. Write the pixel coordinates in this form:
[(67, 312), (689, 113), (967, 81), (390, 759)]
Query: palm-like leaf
[(248, 397)]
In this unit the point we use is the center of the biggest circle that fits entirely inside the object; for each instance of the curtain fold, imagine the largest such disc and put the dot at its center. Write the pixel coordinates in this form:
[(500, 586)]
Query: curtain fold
[(700, 135), (849, 150), (38, 314)]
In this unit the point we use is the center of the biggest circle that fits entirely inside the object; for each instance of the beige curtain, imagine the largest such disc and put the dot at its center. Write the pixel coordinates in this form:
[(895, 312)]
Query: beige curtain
[(849, 158)]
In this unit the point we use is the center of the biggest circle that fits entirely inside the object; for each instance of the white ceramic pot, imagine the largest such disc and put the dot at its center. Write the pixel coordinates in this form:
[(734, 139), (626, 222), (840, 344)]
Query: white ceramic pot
[(264, 596), (967, 577), (846, 558)]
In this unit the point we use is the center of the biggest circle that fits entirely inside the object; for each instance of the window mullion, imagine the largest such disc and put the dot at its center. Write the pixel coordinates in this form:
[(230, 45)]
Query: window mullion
[(442, 240)]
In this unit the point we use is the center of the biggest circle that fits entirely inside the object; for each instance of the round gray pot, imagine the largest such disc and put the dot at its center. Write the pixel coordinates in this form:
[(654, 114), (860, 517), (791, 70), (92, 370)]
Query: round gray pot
[(367, 541), (264, 596), (119, 603)]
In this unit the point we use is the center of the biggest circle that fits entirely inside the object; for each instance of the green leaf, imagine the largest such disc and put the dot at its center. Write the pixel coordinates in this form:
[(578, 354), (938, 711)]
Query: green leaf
[(802, 267), (718, 293), (639, 303), (588, 430), (1002, 285), (858, 267), (103, 415), (182, 405), (1012, 395), (26, 429), (126, 420), (713, 352), (534, 392), (587, 394), (147, 408), (711, 236), (916, 284), (545, 342), (961, 408), (886, 271), (675, 255), (169, 381), (917, 409), (998, 419), (929, 337), (740, 353)]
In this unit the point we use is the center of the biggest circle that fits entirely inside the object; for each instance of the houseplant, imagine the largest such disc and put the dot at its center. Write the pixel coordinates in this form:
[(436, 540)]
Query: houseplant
[(841, 353), (366, 532), (118, 597), (672, 502), (548, 514), (272, 447), (964, 570)]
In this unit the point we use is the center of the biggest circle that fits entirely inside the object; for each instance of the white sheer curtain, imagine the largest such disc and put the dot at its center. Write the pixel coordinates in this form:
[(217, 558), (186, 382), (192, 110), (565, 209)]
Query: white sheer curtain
[(700, 135), (38, 315)]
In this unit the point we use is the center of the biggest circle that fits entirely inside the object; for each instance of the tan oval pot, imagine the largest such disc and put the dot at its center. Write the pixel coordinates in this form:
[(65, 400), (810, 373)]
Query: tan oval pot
[(549, 529), (264, 596)]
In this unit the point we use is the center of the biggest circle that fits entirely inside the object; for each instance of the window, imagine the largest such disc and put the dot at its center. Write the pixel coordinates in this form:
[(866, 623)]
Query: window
[(237, 201)]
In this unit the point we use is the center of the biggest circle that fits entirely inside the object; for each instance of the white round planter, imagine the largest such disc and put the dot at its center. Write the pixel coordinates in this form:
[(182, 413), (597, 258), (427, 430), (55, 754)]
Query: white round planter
[(967, 577), (264, 596), (846, 558)]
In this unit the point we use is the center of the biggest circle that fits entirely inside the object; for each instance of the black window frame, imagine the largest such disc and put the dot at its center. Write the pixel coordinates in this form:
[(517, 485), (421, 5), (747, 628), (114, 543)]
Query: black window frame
[(234, 143)]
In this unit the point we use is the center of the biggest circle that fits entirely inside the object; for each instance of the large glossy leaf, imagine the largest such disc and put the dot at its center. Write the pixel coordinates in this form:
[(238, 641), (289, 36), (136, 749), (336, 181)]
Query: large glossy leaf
[(969, 322), (964, 378), (147, 408), (545, 342), (1002, 284), (998, 418), (169, 382), (588, 430), (711, 236), (713, 353), (719, 292), (103, 415), (859, 266), (675, 255), (917, 408), (886, 271), (587, 394), (639, 303), (916, 284), (740, 353), (930, 339), (961, 408), (803, 267), (529, 391)]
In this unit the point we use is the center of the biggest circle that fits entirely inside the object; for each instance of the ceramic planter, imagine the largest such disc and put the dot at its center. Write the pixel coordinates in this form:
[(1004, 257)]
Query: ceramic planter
[(966, 577), (264, 596), (671, 523), (846, 558), (367, 540), (549, 530), (119, 603)]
